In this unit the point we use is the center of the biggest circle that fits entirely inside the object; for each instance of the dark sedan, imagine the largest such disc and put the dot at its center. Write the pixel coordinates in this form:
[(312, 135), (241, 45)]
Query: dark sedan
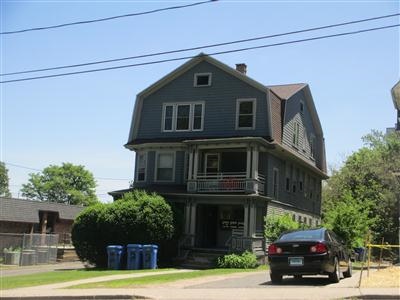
[(309, 252)]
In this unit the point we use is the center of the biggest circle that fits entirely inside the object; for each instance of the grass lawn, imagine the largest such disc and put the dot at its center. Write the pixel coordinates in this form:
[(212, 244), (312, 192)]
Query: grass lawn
[(10, 282), (164, 278)]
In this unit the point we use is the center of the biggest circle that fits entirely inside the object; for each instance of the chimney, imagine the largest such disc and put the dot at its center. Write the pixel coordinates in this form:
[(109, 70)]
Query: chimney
[(242, 68)]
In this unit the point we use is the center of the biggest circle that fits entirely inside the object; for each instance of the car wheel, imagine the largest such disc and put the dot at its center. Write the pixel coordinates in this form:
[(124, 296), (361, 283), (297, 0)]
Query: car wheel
[(298, 276), (349, 272), (276, 278), (335, 275)]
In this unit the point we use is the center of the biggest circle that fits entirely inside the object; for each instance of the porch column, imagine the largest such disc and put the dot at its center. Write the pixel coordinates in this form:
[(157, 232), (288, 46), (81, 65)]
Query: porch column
[(190, 171), (248, 163), (252, 217), (44, 223), (196, 163), (193, 222), (254, 165), (187, 217), (246, 218)]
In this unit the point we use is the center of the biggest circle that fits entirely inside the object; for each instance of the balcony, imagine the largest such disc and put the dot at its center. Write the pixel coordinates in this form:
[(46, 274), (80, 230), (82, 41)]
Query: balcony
[(229, 182)]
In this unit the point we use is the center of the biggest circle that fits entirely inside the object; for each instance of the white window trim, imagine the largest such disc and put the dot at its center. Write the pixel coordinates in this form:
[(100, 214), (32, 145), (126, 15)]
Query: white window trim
[(240, 100), (156, 165), (206, 159), (202, 115), (138, 166), (202, 74), (175, 116), (163, 117), (275, 183), (190, 116)]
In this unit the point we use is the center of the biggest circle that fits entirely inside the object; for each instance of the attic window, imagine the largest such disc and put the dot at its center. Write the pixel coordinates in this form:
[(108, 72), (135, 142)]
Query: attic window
[(202, 79), (301, 107)]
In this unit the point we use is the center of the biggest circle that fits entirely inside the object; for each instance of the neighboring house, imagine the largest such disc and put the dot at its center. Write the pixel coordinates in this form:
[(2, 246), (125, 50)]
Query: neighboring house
[(396, 101), (27, 216), (228, 150)]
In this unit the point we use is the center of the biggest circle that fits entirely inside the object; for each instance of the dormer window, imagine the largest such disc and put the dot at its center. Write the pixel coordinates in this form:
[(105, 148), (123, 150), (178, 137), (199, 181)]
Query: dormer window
[(301, 106), (202, 79)]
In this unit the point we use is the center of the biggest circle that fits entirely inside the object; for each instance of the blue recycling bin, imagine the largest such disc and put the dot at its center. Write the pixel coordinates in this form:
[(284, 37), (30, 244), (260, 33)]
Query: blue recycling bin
[(134, 256), (114, 253), (150, 256)]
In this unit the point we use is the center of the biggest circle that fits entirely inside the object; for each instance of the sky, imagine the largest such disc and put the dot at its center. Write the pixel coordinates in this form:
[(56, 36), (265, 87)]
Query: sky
[(85, 119)]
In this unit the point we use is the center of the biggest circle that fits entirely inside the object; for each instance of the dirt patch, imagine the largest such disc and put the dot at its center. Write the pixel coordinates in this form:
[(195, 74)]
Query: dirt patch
[(388, 277)]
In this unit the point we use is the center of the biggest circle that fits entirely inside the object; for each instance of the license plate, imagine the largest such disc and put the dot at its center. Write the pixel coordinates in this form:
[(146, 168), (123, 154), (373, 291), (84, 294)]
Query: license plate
[(296, 261)]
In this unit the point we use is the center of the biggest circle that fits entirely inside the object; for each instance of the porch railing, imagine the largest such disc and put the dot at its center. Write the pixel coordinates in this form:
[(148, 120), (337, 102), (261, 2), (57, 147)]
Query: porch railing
[(226, 182)]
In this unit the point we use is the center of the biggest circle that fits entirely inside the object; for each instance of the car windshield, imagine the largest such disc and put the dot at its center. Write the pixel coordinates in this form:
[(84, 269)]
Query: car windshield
[(302, 235)]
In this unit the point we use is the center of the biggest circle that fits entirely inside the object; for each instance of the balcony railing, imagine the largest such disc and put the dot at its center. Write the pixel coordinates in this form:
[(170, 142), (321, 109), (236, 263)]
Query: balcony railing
[(226, 182)]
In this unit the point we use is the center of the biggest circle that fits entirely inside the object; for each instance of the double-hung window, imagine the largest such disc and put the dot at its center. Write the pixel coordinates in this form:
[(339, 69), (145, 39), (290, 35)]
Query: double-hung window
[(141, 166), (165, 162), (275, 183), (296, 133), (183, 117), (246, 113)]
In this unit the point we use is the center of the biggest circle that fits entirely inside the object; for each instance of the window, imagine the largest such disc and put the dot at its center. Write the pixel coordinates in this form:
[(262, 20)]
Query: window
[(312, 146), (287, 184), (202, 79), (141, 167), (296, 132), (168, 117), (183, 117), (245, 114), (198, 117), (165, 166), (301, 106), (275, 183), (211, 163)]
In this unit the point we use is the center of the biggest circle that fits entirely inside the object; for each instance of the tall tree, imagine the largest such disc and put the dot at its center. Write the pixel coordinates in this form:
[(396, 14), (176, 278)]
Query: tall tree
[(68, 183), (370, 176), (4, 190)]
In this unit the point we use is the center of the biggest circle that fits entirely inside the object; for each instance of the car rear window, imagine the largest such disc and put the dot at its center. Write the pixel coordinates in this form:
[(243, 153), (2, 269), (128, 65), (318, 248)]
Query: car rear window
[(303, 235)]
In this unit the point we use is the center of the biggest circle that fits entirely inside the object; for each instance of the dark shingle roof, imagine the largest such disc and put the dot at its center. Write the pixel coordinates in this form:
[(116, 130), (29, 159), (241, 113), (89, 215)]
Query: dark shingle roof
[(285, 91), (27, 211)]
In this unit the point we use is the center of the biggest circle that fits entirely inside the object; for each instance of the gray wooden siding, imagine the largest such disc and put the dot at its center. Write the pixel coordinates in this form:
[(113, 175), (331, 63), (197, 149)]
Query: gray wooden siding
[(220, 105), (292, 115), (276, 117)]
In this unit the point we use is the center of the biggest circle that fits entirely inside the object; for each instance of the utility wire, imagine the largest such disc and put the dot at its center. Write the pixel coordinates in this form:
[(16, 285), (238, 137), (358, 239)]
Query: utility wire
[(202, 47), (215, 53), (105, 19), (33, 169)]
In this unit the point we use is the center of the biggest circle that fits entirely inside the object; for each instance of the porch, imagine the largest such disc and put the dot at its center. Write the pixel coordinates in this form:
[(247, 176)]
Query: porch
[(228, 168)]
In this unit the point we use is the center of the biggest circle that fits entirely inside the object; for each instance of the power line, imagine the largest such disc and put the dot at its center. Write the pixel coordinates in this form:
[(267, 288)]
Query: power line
[(105, 19), (215, 53), (34, 169), (204, 46)]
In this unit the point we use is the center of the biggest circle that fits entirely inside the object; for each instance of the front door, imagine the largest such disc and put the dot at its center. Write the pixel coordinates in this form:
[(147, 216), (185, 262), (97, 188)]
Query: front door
[(207, 221)]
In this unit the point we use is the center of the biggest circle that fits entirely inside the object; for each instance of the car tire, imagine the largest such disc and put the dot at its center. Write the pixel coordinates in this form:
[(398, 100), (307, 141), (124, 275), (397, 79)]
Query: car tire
[(334, 277), (276, 278), (349, 272)]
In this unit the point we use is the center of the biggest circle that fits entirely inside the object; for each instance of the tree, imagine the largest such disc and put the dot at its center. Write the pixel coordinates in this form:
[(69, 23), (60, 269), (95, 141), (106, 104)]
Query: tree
[(275, 225), (369, 177), (4, 190), (137, 218), (68, 183)]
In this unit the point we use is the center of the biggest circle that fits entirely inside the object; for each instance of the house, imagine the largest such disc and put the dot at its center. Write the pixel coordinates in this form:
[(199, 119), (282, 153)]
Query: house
[(396, 101), (18, 216), (227, 150)]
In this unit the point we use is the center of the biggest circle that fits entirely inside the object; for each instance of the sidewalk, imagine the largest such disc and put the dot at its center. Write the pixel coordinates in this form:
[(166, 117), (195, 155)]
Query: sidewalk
[(186, 289), (26, 270)]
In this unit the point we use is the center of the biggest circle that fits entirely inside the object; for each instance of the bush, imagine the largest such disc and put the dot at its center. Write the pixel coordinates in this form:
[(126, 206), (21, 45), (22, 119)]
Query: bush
[(276, 225), (246, 260), (138, 218)]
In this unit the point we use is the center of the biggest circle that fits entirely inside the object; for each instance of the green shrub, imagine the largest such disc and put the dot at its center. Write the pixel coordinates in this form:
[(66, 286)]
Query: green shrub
[(246, 260), (276, 225), (138, 218)]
